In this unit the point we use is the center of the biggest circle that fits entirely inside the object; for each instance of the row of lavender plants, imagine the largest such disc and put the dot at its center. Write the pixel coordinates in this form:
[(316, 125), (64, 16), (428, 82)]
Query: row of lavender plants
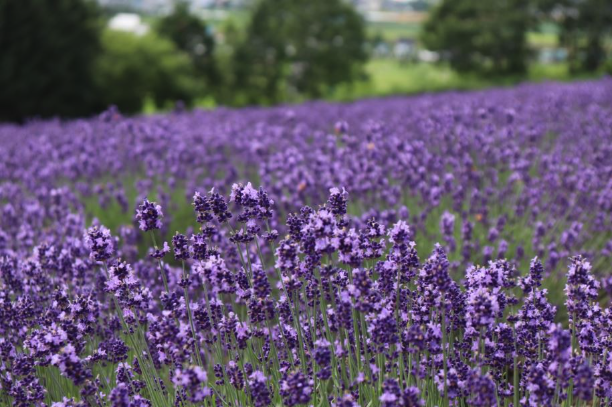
[(345, 318), (503, 173), (293, 294)]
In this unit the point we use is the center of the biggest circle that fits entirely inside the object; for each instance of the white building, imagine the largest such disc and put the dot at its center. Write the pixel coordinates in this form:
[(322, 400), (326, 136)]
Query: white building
[(128, 22)]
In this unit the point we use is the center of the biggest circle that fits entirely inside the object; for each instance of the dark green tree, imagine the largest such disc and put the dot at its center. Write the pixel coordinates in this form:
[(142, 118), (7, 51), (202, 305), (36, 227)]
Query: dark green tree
[(299, 47), (481, 36), (132, 68), (47, 49), (191, 35), (585, 25)]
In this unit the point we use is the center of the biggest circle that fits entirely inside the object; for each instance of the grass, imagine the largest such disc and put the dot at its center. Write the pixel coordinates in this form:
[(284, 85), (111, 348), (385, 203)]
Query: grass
[(542, 39), (545, 36), (392, 31), (391, 77), (386, 77)]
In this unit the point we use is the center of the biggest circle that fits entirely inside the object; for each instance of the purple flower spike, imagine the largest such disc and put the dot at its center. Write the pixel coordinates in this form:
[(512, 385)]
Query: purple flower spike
[(100, 243), (260, 392), (180, 245), (149, 215), (337, 201), (296, 388)]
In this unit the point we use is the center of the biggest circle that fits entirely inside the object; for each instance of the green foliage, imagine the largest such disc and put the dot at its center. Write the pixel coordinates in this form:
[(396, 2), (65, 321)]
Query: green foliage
[(132, 68), (47, 49), (480, 36), (391, 77), (296, 48), (608, 67), (191, 35), (585, 25)]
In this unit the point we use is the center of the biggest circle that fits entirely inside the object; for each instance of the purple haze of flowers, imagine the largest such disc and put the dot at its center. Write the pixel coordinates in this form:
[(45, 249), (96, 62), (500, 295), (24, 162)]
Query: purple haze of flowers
[(289, 293)]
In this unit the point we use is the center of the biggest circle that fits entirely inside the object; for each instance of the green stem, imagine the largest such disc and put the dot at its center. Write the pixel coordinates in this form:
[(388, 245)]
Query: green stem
[(161, 268), (196, 342), (444, 350), (150, 382)]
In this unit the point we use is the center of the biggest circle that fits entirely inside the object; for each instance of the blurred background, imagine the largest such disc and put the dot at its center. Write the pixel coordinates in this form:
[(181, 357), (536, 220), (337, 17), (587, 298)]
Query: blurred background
[(72, 58)]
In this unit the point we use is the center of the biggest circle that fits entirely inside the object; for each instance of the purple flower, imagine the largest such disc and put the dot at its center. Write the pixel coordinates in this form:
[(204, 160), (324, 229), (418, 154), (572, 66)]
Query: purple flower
[(120, 270), (447, 228), (391, 396), (481, 390), (261, 286), (400, 233), (270, 236), (467, 228), (202, 207), (323, 355), (180, 245), (581, 289), (149, 215), (235, 374), (583, 379), (412, 397), (115, 350), (296, 388), (540, 386), (260, 392), (120, 396), (436, 269), (341, 127), (193, 379), (383, 328), (159, 253), (337, 201), (482, 308), (219, 206), (70, 365), (244, 195), (99, 241), (534, 278), (67, 402), (199, 247), (502, 248), (447, 224)]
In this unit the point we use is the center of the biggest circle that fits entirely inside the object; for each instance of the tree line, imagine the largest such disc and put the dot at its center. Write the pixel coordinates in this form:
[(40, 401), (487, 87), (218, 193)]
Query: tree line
[(490, 37), (58, 59)]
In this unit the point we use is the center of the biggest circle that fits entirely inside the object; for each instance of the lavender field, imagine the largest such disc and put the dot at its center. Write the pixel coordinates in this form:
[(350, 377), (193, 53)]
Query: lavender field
[(439, 250)]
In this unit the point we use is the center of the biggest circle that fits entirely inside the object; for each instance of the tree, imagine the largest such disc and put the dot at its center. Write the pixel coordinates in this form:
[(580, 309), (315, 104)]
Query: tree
[(299, 46), (47, 51), (132, 68), (191, 35), (584, 26), (481, 36)]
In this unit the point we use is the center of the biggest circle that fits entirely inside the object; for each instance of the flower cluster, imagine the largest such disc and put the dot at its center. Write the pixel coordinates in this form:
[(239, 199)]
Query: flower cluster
[(149, 216)]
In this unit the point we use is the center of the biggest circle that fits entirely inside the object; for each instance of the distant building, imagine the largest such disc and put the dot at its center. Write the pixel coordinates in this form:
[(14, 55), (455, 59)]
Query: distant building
[(381, 50), (138, 6), (128, 22), (368, 5), (406, 5), (165, 6), (393, 5), (552, 55), (424, 55), (405, 49)]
